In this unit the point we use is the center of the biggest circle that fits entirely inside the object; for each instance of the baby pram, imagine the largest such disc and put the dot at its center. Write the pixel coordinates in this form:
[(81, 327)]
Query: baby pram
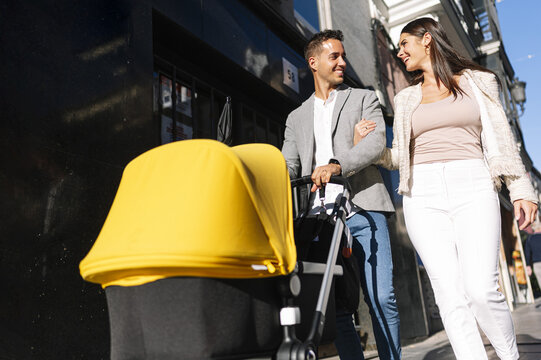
[(198, 259)]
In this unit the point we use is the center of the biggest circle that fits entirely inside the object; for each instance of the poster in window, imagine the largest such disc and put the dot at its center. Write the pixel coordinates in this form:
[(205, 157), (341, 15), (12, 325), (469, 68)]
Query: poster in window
[(166, 86), (184, 100), (182, 131)]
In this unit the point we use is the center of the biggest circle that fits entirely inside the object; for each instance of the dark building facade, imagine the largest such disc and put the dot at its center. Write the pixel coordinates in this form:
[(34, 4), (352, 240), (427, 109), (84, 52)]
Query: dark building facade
[(88, 86)]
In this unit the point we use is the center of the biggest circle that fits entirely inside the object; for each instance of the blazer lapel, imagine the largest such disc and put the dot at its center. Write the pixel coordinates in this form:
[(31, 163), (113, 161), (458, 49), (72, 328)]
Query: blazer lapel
[(308, 132), (341, 97)]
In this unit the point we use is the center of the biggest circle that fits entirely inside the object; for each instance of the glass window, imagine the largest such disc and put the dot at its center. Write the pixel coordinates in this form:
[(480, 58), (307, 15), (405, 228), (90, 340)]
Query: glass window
[(166, 112), (166, 96), (177, 107), (307, 9), (261, 129), (155, 92), (203, 114), (184, 125), (194, 108), (274, 134), (248, 132)]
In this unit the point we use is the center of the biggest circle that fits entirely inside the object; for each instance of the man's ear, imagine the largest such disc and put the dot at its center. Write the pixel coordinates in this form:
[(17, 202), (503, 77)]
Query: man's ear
[(313, 63)]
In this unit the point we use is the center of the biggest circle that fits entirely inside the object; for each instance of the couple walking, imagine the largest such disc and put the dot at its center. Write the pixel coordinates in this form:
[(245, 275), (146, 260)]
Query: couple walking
[(452, 145)]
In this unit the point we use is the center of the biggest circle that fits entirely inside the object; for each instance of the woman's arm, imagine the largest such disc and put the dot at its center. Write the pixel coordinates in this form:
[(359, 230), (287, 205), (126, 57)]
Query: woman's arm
[(520, 188), (363, 128)]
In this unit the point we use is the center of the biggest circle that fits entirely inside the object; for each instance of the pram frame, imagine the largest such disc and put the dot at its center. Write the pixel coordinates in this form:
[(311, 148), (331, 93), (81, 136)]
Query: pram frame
[(291, 347)]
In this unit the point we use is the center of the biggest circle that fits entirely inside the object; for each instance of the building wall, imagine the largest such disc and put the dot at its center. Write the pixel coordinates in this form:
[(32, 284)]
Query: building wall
[(78, 105), (353, 18)]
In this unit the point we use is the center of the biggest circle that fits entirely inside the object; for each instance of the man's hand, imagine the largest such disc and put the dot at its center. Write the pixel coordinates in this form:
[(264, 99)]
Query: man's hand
[(525, 212), (363, 128), (529, 270), (322, 175)]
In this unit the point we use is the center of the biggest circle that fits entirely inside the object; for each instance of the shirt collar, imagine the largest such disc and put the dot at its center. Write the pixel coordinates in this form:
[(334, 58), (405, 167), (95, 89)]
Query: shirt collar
[(330, 99)]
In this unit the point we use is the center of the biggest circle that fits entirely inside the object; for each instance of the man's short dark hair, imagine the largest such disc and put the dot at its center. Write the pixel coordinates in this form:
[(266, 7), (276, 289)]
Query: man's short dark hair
[(314, 44)]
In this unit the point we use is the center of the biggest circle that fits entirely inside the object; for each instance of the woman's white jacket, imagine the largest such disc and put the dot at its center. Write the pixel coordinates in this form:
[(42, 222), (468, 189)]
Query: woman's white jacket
[(499, 146)]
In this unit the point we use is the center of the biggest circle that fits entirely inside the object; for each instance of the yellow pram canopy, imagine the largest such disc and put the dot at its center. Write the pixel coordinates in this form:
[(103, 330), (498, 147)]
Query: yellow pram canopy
[(197, 208)]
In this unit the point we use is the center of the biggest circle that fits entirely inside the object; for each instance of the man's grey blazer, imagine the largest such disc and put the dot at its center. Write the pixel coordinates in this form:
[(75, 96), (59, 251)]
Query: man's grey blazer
[(368, 190)]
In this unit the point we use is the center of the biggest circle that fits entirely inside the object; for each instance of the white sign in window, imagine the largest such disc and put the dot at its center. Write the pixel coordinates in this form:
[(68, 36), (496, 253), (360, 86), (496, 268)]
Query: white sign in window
[(291, 75)]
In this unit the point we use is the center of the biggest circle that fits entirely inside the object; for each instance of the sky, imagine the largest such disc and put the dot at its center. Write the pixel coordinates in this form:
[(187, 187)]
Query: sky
[(519, 22)]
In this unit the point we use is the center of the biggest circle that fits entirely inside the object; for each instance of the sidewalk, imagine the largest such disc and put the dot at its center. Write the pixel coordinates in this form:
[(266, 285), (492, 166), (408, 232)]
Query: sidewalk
[(527, 320)]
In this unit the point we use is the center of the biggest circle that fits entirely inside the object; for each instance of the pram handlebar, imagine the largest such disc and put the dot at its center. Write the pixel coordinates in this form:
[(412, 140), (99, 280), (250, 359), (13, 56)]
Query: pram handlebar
[(334, 180)]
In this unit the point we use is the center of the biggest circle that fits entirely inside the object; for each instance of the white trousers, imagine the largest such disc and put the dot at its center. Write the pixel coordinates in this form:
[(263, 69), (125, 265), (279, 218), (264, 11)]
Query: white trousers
[(453, 219)]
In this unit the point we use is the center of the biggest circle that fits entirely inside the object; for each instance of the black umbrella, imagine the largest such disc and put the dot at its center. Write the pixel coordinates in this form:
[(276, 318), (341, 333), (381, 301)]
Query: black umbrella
[(225, 124)]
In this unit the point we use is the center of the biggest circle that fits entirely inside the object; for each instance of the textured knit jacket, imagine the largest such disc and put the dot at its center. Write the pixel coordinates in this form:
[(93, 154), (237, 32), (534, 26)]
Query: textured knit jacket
[(499, 147)]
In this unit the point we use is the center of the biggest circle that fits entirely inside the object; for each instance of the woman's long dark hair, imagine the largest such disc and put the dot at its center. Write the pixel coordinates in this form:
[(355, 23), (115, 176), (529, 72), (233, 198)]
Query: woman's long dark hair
[(445, 60)]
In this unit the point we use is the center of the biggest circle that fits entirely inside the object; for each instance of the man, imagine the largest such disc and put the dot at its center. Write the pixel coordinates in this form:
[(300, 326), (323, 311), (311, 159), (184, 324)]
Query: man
[(319, 141)]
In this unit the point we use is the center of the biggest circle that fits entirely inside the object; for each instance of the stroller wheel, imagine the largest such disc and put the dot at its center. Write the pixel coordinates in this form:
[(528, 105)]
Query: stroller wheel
[(311, 354), (294, 350)]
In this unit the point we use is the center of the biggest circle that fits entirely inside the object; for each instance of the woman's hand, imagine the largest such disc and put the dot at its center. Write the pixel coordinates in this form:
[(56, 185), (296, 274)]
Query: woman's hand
[(363, 128), (525, 212)]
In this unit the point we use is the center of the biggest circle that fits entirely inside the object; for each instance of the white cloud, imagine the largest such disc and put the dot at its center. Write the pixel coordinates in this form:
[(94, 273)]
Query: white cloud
[(524, 58)]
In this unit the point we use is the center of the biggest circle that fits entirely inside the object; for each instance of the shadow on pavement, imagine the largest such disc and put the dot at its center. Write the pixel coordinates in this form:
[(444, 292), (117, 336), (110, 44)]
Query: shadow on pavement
[(442, 353), (525, 339), (529, 349)]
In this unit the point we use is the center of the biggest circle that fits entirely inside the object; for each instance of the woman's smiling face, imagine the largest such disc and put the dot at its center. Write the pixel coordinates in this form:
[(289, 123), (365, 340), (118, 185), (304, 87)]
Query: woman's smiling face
[(413, 51)]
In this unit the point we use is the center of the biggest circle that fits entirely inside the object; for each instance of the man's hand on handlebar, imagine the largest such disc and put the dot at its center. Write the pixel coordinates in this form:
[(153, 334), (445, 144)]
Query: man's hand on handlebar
[(322, 175)]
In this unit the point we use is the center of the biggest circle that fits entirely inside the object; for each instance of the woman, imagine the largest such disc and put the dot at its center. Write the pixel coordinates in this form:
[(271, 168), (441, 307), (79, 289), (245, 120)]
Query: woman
[(452, 144)]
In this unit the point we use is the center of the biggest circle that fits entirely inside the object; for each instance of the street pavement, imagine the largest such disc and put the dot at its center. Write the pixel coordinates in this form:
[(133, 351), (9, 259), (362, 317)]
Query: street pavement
[(527, 320)]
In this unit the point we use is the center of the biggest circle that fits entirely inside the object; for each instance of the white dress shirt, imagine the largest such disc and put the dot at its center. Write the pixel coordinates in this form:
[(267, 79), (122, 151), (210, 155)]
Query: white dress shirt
[(323, 111)]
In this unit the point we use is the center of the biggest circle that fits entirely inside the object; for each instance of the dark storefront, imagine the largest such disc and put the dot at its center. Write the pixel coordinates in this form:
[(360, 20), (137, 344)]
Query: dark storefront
[(88, 86)]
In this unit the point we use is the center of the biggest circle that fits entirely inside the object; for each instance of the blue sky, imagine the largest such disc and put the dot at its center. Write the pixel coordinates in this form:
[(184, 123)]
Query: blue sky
[(519, 22)]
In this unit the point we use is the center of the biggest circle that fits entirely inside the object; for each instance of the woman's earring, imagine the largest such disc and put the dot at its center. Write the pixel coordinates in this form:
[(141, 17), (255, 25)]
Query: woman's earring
[(427, 50)]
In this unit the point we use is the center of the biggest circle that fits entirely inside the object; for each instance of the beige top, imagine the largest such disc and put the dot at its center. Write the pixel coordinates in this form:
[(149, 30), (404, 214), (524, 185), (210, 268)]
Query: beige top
[(500, 148), (448, 129)]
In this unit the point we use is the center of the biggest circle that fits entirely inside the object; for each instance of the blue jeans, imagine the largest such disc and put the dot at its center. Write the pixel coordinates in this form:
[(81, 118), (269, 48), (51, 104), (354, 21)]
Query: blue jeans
[(372, 249)]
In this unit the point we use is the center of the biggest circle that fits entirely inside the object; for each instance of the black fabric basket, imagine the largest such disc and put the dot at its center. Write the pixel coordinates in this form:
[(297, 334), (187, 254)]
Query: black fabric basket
[(194, 318), (206, 318)]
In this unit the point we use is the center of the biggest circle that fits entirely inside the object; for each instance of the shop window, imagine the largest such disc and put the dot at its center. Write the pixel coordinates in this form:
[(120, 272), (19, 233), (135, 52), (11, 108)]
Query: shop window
[(175, 110), (261, 129), (204, 113), (194, 108), (183, 111), (274, 134), (166, 96), (248, 131)]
